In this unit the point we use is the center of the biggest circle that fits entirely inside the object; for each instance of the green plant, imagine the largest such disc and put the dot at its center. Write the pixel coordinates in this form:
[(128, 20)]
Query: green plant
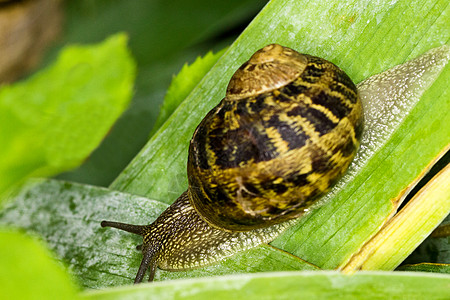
[(364, 38)]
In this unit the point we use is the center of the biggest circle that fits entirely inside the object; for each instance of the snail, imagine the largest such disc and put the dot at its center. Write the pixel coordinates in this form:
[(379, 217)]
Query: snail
[(286, 131)]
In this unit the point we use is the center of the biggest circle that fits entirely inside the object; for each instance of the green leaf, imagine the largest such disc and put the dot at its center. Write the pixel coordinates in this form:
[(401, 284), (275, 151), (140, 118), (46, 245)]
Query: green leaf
[(364, 38), (68, 217), (183, 83), (426, 267), (29, 271), (52, 121), (291, 285)]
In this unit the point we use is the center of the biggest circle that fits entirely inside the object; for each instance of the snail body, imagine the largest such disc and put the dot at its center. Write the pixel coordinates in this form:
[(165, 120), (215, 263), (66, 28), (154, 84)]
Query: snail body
[(286, 131)]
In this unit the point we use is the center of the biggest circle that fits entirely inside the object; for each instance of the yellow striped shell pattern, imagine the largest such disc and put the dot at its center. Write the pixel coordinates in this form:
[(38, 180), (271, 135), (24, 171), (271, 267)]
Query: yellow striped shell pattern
[(287, 129)]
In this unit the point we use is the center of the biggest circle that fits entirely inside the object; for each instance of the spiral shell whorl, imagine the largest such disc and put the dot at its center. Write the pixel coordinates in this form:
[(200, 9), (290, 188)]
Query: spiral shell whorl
[(268, 69)]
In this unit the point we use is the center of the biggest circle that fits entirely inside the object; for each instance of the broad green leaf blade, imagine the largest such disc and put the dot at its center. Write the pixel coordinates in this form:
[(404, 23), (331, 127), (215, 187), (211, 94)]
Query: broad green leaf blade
[(183, 83), (29, 271), (426, 267), (291, 285), (52, 121), (68, 217)]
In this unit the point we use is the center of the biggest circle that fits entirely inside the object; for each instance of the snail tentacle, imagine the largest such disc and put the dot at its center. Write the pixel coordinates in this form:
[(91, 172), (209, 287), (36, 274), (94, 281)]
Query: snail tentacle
[(136, 229)]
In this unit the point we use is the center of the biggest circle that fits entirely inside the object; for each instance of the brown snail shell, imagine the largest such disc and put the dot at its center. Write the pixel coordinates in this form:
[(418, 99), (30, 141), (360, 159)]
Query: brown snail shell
[(287, 129)]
